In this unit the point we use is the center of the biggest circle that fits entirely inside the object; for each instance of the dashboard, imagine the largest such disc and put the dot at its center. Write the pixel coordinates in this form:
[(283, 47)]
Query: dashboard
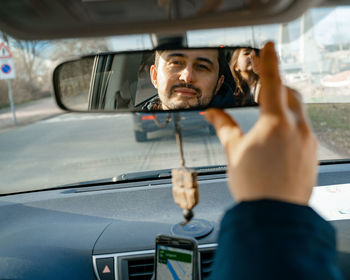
[(108, 231)]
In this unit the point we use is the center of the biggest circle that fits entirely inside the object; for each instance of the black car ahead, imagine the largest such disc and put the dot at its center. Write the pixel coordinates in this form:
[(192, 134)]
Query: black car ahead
[(150, 122)]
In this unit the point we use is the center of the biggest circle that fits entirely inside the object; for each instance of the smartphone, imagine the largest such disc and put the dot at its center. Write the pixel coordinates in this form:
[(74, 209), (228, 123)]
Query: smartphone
[(176, 257)]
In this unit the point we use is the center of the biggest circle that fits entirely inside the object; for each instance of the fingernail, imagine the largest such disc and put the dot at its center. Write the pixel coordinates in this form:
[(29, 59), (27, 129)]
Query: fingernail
[(270, 51), (270, 44)]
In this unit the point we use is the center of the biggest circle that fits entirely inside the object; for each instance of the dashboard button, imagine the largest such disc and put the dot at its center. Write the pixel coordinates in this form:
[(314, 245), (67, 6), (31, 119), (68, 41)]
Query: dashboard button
[(105, 268)]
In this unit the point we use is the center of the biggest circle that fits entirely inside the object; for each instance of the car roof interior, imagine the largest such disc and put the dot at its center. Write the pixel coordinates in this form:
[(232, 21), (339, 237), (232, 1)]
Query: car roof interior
[(46, 19)]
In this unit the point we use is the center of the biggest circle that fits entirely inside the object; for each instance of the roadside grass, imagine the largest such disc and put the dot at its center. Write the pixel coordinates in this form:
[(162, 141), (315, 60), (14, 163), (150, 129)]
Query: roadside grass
[(7, 105), (331, 123), (3, 106)]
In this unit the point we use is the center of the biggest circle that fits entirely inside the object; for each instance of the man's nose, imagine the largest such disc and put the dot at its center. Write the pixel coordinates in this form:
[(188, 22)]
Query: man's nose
[(187, 75)]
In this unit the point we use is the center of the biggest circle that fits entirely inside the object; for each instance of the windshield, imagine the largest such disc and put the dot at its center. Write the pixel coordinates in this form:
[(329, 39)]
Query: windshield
[(43, 147)]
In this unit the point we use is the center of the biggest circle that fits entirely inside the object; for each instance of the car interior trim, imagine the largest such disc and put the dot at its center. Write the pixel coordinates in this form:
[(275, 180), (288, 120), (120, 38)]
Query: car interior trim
[(134, 253)]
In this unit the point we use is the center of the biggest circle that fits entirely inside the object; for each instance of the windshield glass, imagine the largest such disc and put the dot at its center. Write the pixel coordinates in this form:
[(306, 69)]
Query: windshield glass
[(44, 147)]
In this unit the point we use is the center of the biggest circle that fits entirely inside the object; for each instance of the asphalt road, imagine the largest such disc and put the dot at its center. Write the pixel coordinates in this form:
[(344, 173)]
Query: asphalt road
[(72, 147), (28, 113)]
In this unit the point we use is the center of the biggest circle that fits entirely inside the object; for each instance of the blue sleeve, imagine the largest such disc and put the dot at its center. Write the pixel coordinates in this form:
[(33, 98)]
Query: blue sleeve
[(269, 239)]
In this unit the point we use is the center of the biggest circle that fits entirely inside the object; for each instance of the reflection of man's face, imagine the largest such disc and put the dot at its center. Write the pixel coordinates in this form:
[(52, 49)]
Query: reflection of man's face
[(186, 78)]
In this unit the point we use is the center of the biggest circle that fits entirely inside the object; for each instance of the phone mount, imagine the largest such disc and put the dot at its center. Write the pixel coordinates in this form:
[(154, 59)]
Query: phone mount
[(196, 228)]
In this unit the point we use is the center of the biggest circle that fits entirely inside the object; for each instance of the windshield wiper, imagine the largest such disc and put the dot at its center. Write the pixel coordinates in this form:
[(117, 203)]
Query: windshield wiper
[(166, 173), (139, 176)]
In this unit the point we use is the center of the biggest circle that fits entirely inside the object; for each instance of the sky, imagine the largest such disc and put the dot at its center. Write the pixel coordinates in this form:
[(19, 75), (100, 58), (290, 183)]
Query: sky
[(330, 25)]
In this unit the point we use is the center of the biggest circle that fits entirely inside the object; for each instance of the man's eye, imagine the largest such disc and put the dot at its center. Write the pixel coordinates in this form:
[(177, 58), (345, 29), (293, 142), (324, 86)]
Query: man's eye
[(175, 62), (203, 67)]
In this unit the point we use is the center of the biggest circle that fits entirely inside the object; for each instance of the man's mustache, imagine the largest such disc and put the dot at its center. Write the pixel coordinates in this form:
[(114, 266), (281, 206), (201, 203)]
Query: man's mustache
[(184, 85)]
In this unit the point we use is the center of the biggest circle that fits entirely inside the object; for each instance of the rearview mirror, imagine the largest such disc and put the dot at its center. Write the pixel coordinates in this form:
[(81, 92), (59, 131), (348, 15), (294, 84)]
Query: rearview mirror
[(159, 80)]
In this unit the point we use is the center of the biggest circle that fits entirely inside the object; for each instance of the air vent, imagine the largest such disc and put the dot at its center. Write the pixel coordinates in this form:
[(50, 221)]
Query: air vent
[(142, 269), (207, 258)]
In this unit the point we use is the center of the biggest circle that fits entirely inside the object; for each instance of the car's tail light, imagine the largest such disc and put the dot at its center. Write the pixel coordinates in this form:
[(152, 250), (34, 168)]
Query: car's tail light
[(202, 113), (148, 118)]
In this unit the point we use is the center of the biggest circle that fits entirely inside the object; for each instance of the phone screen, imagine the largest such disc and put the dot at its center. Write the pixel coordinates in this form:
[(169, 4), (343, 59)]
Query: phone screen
[(174, 263)]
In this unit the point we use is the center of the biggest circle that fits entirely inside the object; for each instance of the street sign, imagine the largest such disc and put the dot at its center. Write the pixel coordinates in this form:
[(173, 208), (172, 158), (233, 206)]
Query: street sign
[(4, 51), (7, 67), (7, 72)]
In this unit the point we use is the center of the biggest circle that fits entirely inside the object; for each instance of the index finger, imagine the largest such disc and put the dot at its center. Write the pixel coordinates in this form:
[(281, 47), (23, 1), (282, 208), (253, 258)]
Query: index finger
[(255, 63), (273, 94)]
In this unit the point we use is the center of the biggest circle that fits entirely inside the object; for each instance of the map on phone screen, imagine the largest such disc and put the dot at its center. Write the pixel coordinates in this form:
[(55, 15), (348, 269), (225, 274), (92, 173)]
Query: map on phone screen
[(174, 263)]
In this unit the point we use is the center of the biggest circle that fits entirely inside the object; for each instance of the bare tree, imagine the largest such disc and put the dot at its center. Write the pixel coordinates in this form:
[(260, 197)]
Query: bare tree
[(29, 52), (30, 55), (29, 67), (73, 47), (33, 60), (5, 37)]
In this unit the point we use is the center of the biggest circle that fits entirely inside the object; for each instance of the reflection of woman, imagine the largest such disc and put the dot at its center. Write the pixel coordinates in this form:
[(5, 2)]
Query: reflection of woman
[(244, 68)]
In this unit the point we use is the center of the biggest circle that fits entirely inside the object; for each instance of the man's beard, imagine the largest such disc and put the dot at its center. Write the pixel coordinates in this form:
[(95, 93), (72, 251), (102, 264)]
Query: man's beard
[(186, 104)]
